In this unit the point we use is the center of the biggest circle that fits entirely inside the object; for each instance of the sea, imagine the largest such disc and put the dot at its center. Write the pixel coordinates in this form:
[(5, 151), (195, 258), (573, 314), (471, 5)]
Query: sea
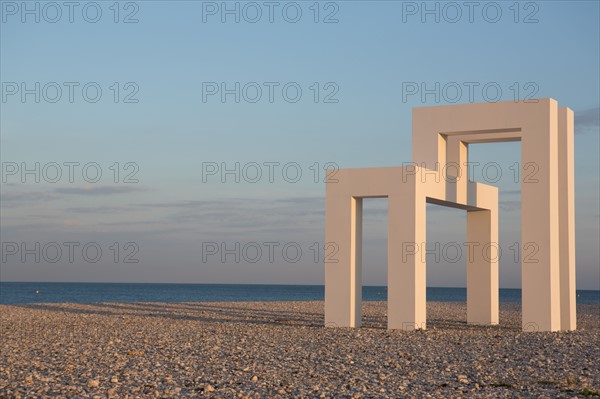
[(23, 293)]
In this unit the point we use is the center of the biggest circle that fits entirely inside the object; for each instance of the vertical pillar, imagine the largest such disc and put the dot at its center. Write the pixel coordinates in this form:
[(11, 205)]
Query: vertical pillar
[(566, 205), (343, 226), (539, 220), (456, 170), (337, 268), (482, 267), (406, 260), (356, 261)]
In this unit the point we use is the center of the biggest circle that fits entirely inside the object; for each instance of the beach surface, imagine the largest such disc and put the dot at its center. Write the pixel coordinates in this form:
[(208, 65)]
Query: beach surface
[(282, 349)]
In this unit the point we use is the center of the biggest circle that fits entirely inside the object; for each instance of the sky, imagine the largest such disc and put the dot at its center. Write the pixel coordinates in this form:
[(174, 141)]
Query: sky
[(186, 141)]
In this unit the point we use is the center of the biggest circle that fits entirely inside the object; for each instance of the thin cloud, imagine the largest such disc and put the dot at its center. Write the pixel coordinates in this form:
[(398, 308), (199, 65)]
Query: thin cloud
[(99, 209), (98, 190), (302, 200), (246, 215), (587, 121), (11, 198), (18, 198), (239, 203), (196, 204)]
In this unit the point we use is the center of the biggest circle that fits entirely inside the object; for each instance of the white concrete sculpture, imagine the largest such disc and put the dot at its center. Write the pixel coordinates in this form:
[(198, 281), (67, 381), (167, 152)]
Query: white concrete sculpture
[(438, 174)]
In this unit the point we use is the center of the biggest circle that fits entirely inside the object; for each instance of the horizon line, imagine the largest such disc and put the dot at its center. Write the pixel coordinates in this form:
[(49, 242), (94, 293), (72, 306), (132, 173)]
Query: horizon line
[(246, 284)]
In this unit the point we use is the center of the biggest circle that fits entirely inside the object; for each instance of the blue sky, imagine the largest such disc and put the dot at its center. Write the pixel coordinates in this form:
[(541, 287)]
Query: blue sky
[(177, 50)]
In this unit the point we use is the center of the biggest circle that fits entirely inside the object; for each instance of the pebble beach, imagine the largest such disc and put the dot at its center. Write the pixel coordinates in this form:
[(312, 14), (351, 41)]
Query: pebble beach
[(282, 349)]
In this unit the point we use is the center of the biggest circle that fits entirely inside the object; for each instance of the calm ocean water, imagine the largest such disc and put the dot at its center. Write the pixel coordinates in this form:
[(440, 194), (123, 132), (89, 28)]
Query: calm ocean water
[(13, 293)]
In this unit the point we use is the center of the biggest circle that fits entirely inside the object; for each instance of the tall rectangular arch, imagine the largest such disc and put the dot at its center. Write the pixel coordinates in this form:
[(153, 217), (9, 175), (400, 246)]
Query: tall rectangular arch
[(546, 134)]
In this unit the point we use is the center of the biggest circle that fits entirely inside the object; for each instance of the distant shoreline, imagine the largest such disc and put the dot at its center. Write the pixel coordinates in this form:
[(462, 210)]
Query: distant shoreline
[(222, 284), (40, 292)]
